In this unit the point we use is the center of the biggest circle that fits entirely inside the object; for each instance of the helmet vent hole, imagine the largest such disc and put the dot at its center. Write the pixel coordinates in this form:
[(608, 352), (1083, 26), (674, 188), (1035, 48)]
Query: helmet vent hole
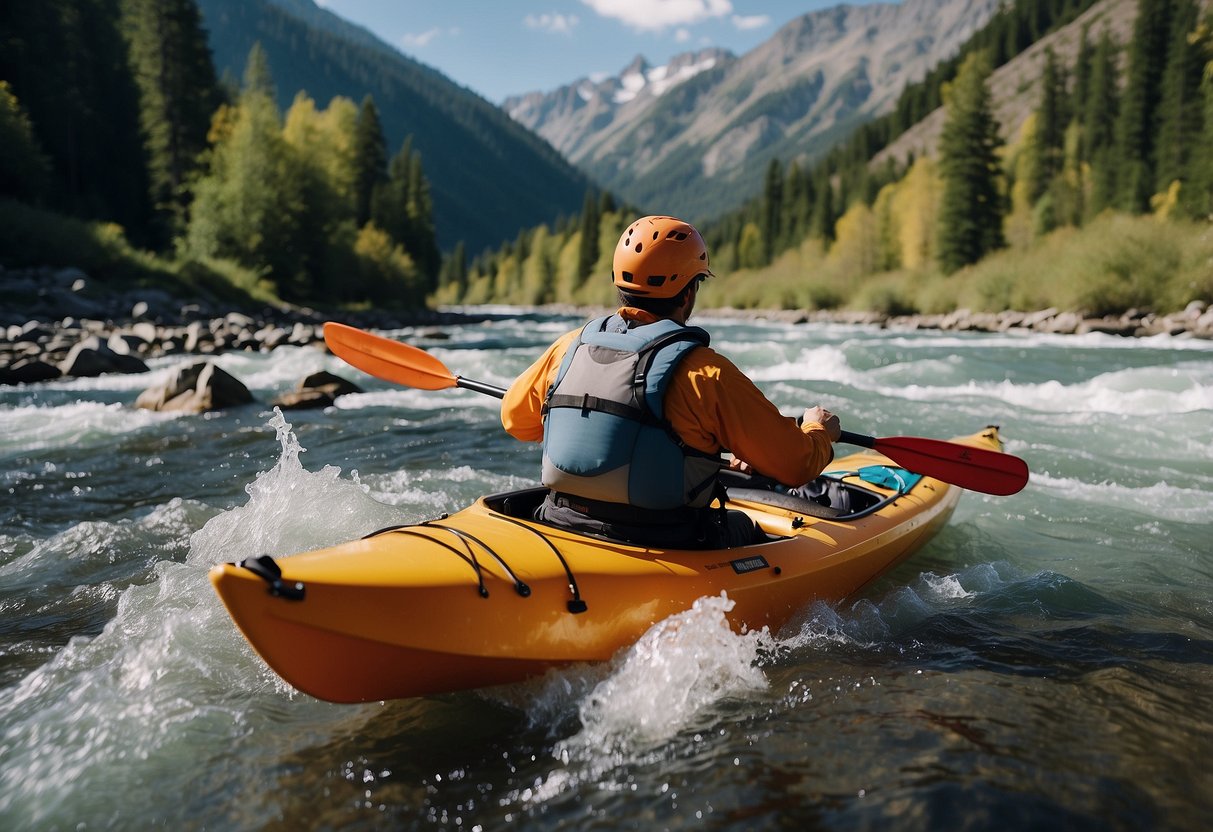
[(677, 235), (639, 247), (656, 279)]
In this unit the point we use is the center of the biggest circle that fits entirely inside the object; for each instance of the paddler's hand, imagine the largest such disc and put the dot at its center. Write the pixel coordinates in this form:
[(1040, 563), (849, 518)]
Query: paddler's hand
[(740, 466), (824, 418)]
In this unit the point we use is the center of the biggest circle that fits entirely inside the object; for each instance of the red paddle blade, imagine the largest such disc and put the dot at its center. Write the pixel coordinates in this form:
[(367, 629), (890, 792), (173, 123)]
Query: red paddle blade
[(976, 469), (387, 359)]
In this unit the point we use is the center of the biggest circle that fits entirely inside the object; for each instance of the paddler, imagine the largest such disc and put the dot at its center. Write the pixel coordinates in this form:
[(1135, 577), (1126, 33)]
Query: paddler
[(635, 409)]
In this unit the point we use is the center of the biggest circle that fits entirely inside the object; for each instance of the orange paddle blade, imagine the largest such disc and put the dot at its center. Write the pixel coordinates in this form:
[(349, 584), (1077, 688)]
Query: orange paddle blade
[(387, 359)]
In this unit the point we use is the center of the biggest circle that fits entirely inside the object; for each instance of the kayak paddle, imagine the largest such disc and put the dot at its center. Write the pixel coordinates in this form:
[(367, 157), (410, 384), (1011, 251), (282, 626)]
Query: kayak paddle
[(977, 469)]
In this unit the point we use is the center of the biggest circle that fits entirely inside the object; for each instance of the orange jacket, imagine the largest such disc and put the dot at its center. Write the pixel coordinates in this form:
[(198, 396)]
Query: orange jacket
[(710, 403)]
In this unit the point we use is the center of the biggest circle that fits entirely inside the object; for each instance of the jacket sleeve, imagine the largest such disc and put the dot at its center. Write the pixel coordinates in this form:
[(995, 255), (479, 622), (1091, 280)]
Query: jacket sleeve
[(522, 407), (714, 406)]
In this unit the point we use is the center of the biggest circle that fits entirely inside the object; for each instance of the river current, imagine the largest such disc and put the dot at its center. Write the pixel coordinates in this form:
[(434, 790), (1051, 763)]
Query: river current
[(1046, 662)]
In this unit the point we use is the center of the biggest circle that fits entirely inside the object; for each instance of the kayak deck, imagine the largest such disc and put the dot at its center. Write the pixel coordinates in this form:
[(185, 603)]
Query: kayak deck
[(483, 597)]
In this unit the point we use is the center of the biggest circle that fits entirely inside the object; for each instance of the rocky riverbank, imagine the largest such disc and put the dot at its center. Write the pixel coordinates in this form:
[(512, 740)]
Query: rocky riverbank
[(58, 323), (1195, 321)]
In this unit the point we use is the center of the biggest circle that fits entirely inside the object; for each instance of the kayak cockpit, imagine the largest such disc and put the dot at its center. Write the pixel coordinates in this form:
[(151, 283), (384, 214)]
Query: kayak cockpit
[(829, 497)]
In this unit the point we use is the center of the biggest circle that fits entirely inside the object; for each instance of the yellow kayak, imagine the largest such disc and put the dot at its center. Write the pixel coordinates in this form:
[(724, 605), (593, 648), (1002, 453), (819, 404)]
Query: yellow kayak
[(486, 597)]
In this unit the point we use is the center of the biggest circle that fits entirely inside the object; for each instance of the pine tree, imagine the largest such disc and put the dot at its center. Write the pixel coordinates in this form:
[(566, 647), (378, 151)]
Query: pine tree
[(454, 274), (972, 209), (1082, 74), (587, 247), (370, 159), (772, 208), (257, 78), (1197, 194), (178, 93), (402, 206), (821, 223), (249, 204), (1049, 137), (24, 169), (1099, 125), (1179, 114), (1136, 125)]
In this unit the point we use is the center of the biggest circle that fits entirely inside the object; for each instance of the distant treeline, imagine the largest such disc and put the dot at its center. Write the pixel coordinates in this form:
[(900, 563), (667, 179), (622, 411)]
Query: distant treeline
[(110, 110)]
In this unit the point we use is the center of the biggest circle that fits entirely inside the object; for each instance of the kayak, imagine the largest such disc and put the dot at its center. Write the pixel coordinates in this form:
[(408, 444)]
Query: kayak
[(488, 596)]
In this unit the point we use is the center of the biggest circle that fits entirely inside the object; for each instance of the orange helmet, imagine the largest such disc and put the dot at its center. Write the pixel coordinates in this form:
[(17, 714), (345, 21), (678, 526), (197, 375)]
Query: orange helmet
[(658, 256)]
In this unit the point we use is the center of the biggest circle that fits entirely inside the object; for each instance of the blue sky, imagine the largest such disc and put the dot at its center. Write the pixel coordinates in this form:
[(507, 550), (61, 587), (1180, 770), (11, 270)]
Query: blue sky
[(504, 48)]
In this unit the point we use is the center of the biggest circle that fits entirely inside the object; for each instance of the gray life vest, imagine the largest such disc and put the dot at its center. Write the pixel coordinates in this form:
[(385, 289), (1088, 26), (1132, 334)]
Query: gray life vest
[(605, 435)]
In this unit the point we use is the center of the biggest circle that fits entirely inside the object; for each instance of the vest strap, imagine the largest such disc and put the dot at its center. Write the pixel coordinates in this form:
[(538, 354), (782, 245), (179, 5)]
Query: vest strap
[(588, 402)]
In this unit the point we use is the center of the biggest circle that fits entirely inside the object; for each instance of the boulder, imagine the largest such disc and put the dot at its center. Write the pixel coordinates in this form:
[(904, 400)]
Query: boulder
[(28, 371), (91, 357), (197, 388), (317, 390)]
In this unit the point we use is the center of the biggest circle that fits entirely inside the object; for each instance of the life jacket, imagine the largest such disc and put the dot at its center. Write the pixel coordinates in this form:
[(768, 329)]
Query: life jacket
[(605, 436)]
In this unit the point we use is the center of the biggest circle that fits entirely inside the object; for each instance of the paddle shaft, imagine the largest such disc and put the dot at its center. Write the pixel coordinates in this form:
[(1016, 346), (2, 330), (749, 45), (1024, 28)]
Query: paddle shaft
[(480, 387)]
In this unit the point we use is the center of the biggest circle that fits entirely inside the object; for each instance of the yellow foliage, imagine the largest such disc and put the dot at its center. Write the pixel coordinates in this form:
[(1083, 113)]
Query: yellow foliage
[(855, 242), (1019, 224), (222, 124), (325, 140), (386, 270), (1164, 204), (915, 205)]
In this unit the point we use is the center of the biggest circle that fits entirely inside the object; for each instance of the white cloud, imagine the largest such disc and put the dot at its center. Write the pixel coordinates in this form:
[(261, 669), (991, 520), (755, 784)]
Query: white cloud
[(560, 24), (420, 40), (655, 15), (753, 21), (682, 35)]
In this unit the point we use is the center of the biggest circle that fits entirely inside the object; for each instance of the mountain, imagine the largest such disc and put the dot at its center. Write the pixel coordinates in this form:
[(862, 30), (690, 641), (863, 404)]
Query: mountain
[(696, 137), (489, 176)]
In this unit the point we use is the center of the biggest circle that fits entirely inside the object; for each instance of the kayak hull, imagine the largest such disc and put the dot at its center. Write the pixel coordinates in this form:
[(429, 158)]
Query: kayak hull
[(480, 598)]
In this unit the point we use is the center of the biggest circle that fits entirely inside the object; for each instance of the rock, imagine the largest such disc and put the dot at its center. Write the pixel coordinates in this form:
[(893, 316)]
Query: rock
[(28, 371), (90, 358), (197, 388), (1037, 320), (317, 390), (144, 331), (1108, 326), (303, 400), (139, 309)]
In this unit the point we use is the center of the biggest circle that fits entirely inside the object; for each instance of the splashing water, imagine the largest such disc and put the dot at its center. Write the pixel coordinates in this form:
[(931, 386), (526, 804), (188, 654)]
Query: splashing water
[(169, 684)]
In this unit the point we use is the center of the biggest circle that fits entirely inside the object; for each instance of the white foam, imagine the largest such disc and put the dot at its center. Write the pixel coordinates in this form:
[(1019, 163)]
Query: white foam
[(663, 683), (1161, 500), (28, 428)]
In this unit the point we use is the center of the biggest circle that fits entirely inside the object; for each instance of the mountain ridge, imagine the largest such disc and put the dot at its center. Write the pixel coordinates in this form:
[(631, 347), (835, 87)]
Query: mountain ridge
[(706, 141)]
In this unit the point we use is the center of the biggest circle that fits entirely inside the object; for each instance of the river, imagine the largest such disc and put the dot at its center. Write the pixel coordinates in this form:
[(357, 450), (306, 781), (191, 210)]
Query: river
[(1046, 662)]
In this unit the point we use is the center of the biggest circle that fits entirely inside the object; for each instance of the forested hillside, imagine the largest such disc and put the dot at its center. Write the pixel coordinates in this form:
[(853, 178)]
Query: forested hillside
[(132, 161), (1046, 216), (489, 176)]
